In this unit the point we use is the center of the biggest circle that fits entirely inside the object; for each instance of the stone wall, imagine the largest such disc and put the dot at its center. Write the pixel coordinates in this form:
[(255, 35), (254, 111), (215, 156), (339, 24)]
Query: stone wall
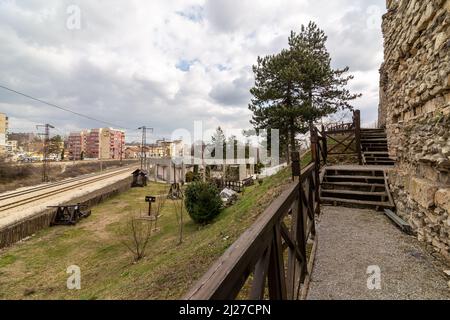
[(415, 109)]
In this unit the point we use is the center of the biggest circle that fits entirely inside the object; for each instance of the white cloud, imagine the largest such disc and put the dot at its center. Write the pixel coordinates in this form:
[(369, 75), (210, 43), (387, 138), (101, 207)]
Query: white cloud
[(121, 66)]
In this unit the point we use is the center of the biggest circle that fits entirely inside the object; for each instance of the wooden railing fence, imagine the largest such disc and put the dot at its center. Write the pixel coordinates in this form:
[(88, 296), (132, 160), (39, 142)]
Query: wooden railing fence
[(345, 138), (273, 258)]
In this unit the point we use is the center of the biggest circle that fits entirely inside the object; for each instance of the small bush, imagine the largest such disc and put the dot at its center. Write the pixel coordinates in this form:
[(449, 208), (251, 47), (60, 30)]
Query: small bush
[(192, 176), (202, 202), (258, 167)]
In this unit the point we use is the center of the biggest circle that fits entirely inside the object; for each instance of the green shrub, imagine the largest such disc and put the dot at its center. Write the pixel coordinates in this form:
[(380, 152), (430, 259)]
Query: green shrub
[(192, 176), (203, 202), (189, 176), (258, 167)]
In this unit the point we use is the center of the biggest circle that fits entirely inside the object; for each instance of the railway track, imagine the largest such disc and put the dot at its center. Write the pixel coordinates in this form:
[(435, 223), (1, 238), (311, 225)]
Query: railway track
[(23, 197), (9, 195)]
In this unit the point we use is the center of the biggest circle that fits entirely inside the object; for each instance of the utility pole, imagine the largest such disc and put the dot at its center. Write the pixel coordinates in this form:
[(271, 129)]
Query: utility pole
[(100, 156), (46, 136), (143, 145), (121, 150)]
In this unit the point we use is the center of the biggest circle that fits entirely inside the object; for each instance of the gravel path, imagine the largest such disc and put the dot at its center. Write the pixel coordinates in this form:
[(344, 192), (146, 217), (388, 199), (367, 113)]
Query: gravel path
[(351, 240)]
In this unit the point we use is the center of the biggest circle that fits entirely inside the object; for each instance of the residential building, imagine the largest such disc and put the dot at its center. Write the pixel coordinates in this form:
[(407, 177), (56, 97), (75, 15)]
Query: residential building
[(77, 145), (157, 150), (176, 148), (12, 146), (132, 152), (165, 149), (102, 143), (3, 132)]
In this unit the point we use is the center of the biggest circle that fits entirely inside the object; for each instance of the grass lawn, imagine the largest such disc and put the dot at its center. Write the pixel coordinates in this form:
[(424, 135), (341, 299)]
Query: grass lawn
[(36, 269)]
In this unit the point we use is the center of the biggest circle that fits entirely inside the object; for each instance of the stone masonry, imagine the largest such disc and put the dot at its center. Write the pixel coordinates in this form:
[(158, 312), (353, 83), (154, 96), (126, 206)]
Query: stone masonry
[(415, 109)]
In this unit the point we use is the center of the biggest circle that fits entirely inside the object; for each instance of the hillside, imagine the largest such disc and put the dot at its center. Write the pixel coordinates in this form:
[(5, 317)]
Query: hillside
[(36, 269)]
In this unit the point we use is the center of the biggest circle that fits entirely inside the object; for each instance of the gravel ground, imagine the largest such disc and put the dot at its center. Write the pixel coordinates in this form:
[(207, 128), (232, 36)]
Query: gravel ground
[(351, 240)]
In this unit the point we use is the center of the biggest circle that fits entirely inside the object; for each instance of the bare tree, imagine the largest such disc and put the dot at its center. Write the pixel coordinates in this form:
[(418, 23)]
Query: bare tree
[(161, 201), (136, 236), (179, 210)]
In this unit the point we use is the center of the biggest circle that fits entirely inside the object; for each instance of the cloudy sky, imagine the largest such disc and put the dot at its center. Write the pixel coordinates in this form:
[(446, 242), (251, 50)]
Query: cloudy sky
[(166, 63)]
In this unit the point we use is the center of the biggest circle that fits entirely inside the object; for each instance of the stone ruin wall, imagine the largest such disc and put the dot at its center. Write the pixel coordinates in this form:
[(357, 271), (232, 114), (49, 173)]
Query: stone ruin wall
[(415, 109)]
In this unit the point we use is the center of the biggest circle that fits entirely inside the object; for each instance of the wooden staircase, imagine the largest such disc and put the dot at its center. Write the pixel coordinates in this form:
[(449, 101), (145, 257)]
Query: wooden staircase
[(374, 147), (356, 186)]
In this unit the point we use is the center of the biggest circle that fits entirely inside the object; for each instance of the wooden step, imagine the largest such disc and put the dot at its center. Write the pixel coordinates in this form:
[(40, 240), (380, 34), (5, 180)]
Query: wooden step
[(355, 177), (356, 193), (357, 202), (373, 144), (355, 173), (355, 184), (363, 140), (378, 158), (380, 162), (373, 135), (376, 153), (376, 149), (354, 168)]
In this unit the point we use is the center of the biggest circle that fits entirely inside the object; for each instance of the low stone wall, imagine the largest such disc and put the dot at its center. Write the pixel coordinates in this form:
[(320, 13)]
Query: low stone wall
[(27, 227), (415, 109)]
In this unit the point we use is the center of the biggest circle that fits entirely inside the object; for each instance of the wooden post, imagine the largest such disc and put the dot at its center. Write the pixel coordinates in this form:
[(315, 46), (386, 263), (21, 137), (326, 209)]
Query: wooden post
[(316, 158), (149, 208), (276, 277), (325, 145), (357, 119), (295, 164), (174, 173)]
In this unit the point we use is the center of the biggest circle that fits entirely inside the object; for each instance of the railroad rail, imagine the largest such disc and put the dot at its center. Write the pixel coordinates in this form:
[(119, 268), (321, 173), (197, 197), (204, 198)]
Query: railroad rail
[(44, 191)]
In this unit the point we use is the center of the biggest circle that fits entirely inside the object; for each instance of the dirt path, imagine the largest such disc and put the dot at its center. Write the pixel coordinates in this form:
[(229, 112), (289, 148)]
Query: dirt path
[(351, 240)]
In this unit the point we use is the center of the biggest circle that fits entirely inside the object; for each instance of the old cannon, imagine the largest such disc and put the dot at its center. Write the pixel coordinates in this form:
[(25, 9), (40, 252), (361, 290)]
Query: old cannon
[(69, 215)]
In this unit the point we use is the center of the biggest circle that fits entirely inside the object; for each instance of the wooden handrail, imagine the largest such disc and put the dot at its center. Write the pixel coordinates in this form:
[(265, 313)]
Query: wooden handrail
[(350, 137), (228, 274), (259, 250), (287, 224)]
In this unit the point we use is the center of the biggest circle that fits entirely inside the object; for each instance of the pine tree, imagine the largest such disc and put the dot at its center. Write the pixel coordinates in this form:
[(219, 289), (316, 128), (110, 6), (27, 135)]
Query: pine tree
[(298, 86), (218, 139)]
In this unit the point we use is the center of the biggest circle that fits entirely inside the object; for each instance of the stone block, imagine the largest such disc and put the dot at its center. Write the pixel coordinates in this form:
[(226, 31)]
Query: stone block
[(423, 192), (441, 39), (442, 199)]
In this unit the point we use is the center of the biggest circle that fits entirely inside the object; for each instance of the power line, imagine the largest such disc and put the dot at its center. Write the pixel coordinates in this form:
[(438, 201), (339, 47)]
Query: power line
[(62, 108)]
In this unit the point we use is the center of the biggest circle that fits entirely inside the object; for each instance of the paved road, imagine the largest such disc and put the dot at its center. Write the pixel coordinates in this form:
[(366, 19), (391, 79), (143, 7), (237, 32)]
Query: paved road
[(351, 240)]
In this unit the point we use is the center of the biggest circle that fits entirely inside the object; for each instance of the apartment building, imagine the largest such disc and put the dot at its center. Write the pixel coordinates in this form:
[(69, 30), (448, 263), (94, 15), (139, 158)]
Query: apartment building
[(77, 145), (102, 143), (12, 146), (3, 132), (165, 149), (160, 149)]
